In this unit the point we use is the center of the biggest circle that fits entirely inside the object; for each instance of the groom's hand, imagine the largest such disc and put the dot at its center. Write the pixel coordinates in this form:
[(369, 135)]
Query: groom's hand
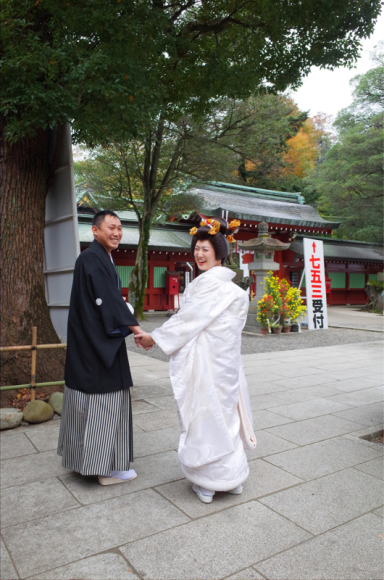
[(146, 340)]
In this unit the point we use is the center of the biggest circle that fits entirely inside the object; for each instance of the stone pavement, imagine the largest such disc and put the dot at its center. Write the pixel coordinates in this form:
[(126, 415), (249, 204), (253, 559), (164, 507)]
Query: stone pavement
[(311, 509), (353, 317)]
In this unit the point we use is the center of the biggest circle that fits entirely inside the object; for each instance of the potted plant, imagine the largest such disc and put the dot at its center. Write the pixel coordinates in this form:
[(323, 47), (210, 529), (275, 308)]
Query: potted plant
[(265, 312), (296, 307)]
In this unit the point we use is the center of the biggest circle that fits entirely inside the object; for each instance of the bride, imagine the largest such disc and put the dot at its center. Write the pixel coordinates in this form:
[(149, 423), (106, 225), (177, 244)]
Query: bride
[(203, 341)]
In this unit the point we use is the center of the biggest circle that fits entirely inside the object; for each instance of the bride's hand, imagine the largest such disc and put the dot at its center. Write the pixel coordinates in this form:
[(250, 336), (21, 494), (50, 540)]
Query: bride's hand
[(146, 340)]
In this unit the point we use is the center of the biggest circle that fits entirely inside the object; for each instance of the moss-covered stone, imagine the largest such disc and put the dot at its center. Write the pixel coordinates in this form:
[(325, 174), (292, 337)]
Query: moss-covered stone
[(37, 412), (56, 402)]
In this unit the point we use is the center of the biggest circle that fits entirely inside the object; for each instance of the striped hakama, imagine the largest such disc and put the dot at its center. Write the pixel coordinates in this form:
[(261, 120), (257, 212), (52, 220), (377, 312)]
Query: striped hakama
[(96, 432)]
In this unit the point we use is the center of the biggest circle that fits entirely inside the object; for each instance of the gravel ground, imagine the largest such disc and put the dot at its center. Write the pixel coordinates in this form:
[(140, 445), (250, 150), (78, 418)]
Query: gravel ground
[(270, 343)]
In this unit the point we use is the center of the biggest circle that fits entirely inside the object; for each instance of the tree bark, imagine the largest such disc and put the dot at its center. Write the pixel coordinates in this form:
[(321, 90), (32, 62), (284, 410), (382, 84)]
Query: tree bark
[(24, 185), (139, 275)]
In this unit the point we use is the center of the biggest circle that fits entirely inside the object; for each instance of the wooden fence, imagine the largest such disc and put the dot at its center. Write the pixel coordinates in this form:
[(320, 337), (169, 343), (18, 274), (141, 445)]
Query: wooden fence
[(34, 347)]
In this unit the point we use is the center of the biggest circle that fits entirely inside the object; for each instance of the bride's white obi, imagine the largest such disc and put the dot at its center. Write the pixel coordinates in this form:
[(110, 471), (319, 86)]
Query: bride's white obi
[(204, 340)]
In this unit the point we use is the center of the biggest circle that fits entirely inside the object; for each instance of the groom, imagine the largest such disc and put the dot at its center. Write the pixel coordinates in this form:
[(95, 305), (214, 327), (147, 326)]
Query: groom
[(96, 424)]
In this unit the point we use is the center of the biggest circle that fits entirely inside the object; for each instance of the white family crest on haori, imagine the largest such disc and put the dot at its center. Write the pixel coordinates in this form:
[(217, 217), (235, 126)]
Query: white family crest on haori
[(204, 343)]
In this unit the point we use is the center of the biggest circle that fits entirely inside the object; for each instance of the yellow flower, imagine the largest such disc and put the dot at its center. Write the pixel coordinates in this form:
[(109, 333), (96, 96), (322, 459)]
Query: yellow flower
[(203, 223), (193, 231), (234, 224), (231, 239)]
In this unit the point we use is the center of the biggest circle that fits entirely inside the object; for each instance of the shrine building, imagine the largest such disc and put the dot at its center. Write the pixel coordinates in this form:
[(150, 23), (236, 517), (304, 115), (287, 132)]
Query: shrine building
[(348, 264)]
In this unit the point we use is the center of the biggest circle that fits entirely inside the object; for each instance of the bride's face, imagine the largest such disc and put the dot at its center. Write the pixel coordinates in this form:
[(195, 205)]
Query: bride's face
[(205, 255)]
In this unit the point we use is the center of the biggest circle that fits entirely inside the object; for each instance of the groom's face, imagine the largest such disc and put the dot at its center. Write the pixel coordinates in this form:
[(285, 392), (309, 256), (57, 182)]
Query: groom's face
[(108, 233)]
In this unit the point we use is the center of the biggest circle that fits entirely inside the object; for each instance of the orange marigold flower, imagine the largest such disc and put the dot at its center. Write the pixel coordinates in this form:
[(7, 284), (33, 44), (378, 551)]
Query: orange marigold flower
[(231, 239), (234, 224), (203, 223), (193, 231)]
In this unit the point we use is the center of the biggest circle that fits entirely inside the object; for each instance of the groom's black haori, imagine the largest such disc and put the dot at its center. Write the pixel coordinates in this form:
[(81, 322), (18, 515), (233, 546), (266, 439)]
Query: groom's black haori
[(96, 425)]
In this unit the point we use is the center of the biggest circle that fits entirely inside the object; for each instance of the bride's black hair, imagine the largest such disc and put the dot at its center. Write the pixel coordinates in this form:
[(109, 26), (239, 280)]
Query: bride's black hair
[(218, 241)]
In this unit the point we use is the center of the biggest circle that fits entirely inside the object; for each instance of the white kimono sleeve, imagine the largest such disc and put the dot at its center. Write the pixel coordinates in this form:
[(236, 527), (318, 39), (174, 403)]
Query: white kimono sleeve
[(206, 299)]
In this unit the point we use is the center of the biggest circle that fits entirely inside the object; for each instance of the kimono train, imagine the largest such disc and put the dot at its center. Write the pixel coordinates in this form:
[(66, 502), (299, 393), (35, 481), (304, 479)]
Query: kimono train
[(204, 340)]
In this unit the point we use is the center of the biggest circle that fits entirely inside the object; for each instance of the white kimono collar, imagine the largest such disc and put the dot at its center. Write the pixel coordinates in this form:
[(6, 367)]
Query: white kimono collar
[(221, 272)]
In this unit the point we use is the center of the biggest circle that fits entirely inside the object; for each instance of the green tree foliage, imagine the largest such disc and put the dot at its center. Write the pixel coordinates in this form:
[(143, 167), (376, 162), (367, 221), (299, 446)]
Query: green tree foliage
[(348, 184), (105, 65), (150, 175)]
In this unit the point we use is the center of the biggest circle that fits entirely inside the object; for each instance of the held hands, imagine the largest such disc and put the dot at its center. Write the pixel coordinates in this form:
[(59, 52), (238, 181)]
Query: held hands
[(144, 340)]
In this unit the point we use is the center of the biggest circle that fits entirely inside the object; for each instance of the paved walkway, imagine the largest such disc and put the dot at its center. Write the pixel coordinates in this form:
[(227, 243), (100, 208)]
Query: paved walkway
[(353, 317), (312, 507)]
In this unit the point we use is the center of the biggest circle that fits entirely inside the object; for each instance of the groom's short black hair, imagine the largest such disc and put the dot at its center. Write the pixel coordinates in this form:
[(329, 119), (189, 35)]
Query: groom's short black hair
[(99, 217)]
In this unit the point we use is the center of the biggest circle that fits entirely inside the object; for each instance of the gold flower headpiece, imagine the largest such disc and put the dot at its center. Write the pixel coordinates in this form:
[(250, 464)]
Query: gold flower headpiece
[(214, 228)]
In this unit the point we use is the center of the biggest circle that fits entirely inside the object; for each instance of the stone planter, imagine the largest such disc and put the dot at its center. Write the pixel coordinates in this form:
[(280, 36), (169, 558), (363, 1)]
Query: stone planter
[(277, 329), (287, 328), (295, 327), (264, 331)]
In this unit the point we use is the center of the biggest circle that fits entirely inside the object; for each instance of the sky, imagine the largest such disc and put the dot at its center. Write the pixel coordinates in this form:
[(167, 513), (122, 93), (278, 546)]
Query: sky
[(325, 91)]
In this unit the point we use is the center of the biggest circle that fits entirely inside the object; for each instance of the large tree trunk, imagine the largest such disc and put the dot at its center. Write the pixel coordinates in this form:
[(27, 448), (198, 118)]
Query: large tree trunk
[(24, 184), (139, 275)]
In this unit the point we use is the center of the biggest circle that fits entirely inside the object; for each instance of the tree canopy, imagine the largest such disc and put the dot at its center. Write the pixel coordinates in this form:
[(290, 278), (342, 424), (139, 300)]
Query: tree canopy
[(108, 66), (348, 184)]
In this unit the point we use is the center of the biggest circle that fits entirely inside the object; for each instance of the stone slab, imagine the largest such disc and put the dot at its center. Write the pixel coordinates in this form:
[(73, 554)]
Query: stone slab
[(266, 376), (356, 384), (247, 574), (364, 414), (29, 502), (165, 403), (313, 430), (214, 547), (259, 402), (45, 440), (268, 444), (30, 428), (375, 467), (152, 442), (257, 388), (306, 393), (322, 504), (304, 381), (139, 407), (108, 565), (353, 551), (263, 479), (322, 458), (380, 512), (7, 569), (357, 398), (69, 536), (16, 446), (147, 392), (29, 468), (156, 421), (264, 419), (309, 409), (151, 471)]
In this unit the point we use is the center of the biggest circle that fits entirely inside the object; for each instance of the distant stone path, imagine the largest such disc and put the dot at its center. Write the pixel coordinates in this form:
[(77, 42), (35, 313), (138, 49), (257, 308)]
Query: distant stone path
[(258, 344)]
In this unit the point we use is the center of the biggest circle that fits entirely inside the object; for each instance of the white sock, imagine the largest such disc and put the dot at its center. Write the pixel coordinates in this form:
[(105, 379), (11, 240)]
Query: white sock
[(204, 491), (123, 474)]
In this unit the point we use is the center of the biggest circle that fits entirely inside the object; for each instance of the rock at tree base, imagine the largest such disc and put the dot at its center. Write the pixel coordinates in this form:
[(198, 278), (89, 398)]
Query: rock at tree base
[(56, 402), (10, 418), (37, 412)]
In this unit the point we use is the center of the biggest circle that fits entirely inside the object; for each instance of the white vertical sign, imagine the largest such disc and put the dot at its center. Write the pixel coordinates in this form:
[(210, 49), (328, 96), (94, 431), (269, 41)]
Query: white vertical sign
[(317, 315), (187, 279)]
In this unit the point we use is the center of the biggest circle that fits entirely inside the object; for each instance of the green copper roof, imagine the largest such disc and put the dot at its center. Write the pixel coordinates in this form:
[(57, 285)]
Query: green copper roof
[(257, 192), (250, 203)]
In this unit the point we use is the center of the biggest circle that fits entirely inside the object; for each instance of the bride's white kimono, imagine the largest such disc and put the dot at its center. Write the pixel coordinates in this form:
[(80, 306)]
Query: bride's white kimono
[(203, 340)]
